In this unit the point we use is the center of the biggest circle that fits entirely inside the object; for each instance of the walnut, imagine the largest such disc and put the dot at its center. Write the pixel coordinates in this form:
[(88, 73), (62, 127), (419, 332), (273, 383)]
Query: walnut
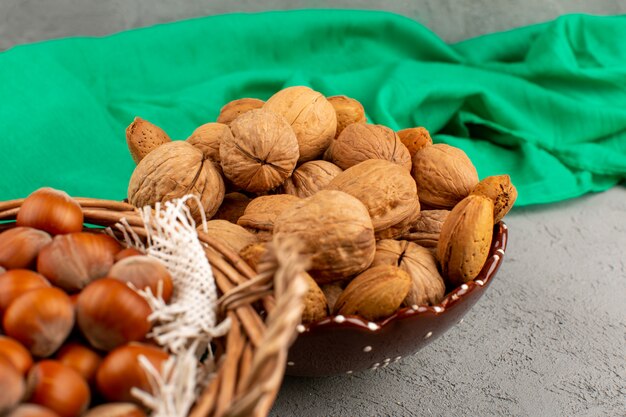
[(387, 190), (310, 177), (311, 116), (238, 107), (262, 152), (444, 175), (336, 232), (262, 212), (427, 286), (234, 236), (253, 253), (208, 137), (172, 171), (415, 138), (348, 111), (233, 207), (360, 142), (426, 228)]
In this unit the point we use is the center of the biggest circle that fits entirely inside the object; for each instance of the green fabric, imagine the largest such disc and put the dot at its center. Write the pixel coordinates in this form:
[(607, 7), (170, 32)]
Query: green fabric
[(545, 103)]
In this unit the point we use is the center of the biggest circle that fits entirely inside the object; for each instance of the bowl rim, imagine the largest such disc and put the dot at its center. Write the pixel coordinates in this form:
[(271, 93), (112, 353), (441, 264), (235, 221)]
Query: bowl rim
[(457, 295)]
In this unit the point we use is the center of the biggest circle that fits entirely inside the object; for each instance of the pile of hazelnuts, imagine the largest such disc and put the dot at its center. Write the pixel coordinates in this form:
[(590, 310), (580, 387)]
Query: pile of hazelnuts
[(73, 323)]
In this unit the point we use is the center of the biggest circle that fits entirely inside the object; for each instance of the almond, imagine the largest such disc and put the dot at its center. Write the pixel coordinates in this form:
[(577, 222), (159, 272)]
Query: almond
[(501, 191), (143, 137)]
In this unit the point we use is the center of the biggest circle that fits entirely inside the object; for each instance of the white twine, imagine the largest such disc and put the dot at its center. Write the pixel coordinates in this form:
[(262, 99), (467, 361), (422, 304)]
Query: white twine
[(186, 326)]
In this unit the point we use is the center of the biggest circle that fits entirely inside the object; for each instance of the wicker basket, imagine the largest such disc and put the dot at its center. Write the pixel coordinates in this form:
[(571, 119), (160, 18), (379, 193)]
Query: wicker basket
[(264, 308)]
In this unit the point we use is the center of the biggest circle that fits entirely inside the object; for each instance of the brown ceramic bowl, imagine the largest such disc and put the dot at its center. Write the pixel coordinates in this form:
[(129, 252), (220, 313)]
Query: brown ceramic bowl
[(346, 344)]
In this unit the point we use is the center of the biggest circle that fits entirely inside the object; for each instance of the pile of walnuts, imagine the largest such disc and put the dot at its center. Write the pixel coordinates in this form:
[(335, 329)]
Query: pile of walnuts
[(388, 219)]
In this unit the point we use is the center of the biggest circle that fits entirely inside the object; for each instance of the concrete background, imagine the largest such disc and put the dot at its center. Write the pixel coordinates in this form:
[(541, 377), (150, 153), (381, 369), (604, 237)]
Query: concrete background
[(548, 338)]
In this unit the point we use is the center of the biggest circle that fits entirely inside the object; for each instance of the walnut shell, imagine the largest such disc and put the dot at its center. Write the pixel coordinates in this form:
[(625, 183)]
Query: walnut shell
[(348, 111), (172, 171), (465, 239), (262, 152), (232, 208), (501, 191), (142, 137), (387, 190), (336, 231), (238, 107), (427, 286), (208, 137), (310, 177), (444, 175), (375, 294), (360, 141), (415, 138), (311, 116), (234, 236), (426, 229), (262, 212)]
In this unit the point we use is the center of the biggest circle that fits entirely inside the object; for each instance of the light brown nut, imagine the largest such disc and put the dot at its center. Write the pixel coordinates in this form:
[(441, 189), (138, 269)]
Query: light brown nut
[(332, 293), (142, 137), (336, 232), (234, 236), (311, 177), (360, 141), (427, 286), (387, 190), (262, 212), (501, 191), (400, 228), (253, 253), (233, 207), (172, 171), (315, 305), (426, 228), (415, 138), (444, 176), (465, 239), (311, 116), (238, 107), (348, 111), (374, 294), (261, 153), (208, 137)]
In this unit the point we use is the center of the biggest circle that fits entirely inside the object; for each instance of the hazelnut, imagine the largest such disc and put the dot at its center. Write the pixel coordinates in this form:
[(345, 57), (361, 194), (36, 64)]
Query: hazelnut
[(127, 253), (17, 282), (116, 410), (120, 371), (58, 387), (144, 272), (32, 410), (16, 353), (110, 314), (82, 359), (52, 211), (20, 246), (40, 320), (11, 386)]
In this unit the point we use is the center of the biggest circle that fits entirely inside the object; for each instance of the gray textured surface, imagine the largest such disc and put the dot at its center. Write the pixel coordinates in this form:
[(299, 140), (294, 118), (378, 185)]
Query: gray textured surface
[(548, 338)]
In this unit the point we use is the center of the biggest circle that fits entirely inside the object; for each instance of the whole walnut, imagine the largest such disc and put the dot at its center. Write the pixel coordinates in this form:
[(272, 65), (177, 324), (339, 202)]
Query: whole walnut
[(427, 285), (172, 171), (336, 232), (234, 236), (233, 206), (311, 177), (208, 137), (311, 116), (444, 176), (261, 153), (238, 107), (415, 138), (360, 141), (426, 228), (348, 111), (262, 212), (387, 190)]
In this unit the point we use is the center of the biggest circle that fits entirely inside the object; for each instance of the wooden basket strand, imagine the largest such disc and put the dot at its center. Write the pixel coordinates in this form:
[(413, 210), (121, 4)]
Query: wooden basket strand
[(250, 368)]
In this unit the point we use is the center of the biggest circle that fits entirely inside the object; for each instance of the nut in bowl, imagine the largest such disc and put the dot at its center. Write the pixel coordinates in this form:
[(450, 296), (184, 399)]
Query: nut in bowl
[(400, 235)]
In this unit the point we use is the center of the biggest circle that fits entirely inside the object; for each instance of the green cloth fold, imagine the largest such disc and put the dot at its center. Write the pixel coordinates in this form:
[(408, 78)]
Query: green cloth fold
[(545, 103)]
